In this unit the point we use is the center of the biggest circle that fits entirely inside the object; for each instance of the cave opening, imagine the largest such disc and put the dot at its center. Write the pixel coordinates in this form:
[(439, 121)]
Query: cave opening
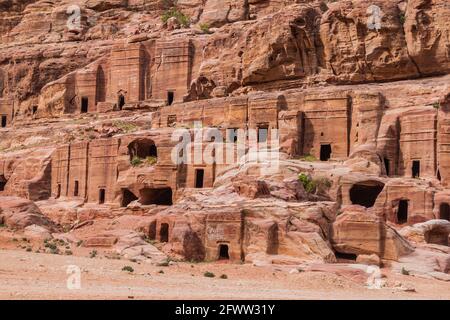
[(158, 196), (121, 101), (365, 193), (127, 197), (142, 148)]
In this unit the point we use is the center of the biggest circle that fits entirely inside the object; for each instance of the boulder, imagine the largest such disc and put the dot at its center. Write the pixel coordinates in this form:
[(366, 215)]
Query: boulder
[(357, 232), (19, 213)]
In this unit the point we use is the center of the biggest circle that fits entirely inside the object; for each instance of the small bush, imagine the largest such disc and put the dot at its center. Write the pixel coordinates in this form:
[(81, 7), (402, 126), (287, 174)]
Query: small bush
[(160, 271), (402, 18), (93, 254), (436, 105), (182, 19), (2, 225), (308, 158), (29, 249), (68, 252), (79, 243), (128, 268), (405, 272), (125, 127), (136, 161), (150, 160), (307, 182), (204, 27), (223, 276), (209, 274)]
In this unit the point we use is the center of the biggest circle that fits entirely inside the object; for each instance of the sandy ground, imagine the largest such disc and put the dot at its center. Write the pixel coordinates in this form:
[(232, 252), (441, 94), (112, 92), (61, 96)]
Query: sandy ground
[(28, 275)]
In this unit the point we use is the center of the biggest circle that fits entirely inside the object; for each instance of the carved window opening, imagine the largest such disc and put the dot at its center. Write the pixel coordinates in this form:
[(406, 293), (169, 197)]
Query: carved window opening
[(4, 121), (199, 177), (101, 196), (444, 211), (84, 104), (170, 97), (164, 232), (402, 213), (75, 189), (223, 252), (416, 169), (159, 196), (127, 197), (142, 148), (366, 193), (325, 152)]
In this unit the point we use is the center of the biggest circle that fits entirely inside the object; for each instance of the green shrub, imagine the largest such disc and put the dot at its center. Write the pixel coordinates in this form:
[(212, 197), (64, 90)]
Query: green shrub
[(209, 274), (125, 126), (151, 160), (182, 19), (436, 105), (308, 158), (307, 182), (136, 161), (402, 18), (128, 268), (93, 254), (204, 27)]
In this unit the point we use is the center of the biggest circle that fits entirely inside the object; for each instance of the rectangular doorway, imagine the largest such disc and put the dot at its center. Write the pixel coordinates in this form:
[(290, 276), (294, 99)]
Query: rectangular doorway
[(199, 176)]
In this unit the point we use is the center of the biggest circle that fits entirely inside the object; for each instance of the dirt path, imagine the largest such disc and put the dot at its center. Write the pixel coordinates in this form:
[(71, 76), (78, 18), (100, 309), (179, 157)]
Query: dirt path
[(25, 275)]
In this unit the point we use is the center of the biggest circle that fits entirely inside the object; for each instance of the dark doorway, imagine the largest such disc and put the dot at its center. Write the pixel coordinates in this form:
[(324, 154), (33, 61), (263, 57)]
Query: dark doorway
[(58, 191), (263, 131), (84, 104), (2, 182), (272, 240), (161, 196), (439, 175), (121, 102), (153, 151), (35, 108), (164, 232), (416, 169), (444, 211), (325, 152), (127, 197), (170, 97), (366, 193), (223, 252), (387, 166), (402, 213), (75, 189), (152, 230), (199, 175), (4, 121), (101, 196)]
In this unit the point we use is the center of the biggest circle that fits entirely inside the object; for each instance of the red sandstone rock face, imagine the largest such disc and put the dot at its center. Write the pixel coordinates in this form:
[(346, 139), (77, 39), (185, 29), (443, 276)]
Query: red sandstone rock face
[(90, 116)]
